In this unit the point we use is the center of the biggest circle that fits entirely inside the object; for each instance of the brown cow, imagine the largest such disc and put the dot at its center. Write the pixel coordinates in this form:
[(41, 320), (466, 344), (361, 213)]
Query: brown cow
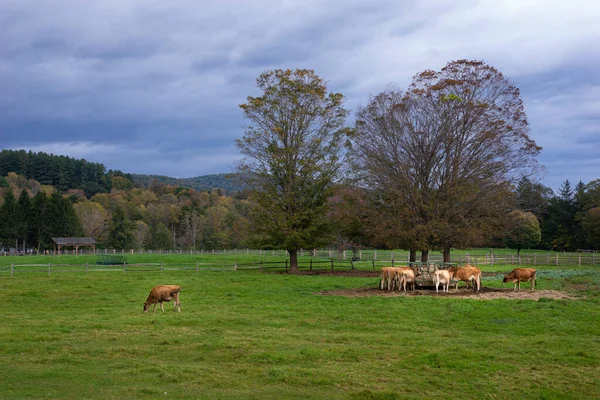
[(162, 293), (469, 274), (389, 277), (406, 276), (519, 275)]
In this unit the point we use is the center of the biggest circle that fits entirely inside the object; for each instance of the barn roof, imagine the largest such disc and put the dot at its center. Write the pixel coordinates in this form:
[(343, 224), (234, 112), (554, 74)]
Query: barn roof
[(71, 241)]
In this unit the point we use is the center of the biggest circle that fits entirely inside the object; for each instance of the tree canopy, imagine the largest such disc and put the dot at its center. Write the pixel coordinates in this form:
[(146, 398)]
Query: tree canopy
[(292, 151), (441, 156)]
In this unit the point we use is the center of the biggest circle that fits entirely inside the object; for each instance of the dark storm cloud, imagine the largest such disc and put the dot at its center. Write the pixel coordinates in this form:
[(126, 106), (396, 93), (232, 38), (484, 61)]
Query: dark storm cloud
[(154, 86)]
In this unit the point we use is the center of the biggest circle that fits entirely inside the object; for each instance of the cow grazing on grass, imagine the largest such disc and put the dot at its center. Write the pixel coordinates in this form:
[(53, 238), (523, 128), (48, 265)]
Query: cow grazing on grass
[(162, 293), (469, 274), (519, 275), (442, 276)]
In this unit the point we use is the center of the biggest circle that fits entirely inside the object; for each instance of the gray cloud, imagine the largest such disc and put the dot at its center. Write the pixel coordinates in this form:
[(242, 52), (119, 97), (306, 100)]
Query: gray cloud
[(154, 86)]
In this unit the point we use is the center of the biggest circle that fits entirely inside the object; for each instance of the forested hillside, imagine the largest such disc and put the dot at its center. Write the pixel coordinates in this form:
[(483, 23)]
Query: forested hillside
[(226, 182), (126, 215), (62, 172)]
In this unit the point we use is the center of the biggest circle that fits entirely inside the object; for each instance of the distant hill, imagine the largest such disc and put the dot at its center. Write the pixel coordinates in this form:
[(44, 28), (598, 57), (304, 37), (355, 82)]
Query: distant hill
[(227, 182)]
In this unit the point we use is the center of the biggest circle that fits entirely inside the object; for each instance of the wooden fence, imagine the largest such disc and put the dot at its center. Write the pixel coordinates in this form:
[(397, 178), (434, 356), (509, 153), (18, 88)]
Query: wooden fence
[(304, 264)]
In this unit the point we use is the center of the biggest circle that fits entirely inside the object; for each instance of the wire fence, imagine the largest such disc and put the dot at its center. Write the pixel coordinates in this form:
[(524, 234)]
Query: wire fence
[(105, 264)]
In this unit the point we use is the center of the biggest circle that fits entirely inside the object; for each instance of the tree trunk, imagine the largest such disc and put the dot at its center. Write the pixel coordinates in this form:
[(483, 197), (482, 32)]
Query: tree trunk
[(293, 261), (424, 255), (413, 256), (447, 254)]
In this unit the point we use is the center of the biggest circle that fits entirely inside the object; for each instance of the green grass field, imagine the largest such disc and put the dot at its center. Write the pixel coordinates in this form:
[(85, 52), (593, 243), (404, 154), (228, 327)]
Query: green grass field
[(252, 335)]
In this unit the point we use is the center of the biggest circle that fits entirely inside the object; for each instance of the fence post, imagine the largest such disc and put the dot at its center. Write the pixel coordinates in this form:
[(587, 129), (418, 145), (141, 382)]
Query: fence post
[(124, 267), (86, 268), (392, 259), (580, 260), (235, 267), (161, 266), (373, 263), (310, 264), (556, 258), (332, 265), (286, 265), (261, 266), (196, 265), (48, 269), (12, 269)]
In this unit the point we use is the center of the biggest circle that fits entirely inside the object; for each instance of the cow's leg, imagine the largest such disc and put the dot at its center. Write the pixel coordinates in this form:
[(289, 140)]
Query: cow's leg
[(532, 283), (176, 302), (154, 310), (162, 307)]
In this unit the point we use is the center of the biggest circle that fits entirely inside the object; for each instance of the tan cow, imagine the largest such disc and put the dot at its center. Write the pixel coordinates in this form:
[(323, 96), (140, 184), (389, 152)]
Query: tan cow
[(519, 275), (469, 274), (162, 293), (389, 277), (442, 276), (406, 276)]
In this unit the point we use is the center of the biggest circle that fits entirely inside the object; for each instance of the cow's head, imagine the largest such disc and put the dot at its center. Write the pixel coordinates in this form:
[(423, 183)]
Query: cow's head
[(146, 307), (505, 279)]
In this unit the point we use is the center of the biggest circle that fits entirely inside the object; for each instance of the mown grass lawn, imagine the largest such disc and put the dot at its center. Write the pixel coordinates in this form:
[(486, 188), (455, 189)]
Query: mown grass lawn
[(251, 335)]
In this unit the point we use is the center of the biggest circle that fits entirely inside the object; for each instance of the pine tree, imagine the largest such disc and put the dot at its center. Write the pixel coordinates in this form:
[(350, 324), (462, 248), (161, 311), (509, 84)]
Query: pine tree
[(9, 234)]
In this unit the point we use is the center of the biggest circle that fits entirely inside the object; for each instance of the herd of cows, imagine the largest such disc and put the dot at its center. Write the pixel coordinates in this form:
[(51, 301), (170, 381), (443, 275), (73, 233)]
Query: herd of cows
[(400, 277), (391, 277)]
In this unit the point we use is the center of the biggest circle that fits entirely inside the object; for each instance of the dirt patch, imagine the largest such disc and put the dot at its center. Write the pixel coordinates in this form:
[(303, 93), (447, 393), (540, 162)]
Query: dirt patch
[(484, 294), (462, 292)]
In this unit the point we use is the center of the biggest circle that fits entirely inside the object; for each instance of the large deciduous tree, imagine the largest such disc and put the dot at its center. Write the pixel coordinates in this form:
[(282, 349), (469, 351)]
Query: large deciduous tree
[(523, 230), (440, 157), (292, 151)]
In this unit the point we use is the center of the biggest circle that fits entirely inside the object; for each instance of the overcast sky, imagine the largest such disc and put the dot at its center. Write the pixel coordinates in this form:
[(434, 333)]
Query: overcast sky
[(153, 86)]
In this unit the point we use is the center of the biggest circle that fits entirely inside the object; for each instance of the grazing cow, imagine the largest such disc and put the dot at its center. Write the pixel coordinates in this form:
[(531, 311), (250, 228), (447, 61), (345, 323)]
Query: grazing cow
[(442, 276), (469, 274), (406, 276), (162, 293), (519, 275), (389, 277)]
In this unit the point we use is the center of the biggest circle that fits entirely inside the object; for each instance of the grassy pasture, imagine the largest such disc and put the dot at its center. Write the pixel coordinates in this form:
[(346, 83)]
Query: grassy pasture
[(252, 335)]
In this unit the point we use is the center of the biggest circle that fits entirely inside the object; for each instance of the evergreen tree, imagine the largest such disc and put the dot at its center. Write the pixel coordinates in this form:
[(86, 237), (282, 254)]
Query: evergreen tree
[(120, 234), (42, 236), (9, 221), (558, 229), (24, 219), (160, 237)]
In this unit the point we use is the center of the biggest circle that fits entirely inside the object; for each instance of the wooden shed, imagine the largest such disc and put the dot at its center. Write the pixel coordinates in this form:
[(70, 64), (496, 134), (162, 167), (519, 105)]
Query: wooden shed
[(75, 242)]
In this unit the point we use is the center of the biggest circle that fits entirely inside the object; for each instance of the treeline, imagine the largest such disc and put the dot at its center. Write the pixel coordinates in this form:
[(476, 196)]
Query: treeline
[(174, 217), (227, 182), (162, 217), (61, 172)]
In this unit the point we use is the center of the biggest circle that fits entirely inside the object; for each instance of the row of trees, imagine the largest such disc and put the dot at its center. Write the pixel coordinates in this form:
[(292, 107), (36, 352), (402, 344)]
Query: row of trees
[(61, 172), (432, 167), (163, 217), (172, 217), (446, 163)]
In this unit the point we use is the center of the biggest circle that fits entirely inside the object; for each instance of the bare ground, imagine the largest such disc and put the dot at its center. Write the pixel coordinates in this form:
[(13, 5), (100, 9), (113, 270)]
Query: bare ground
[(485, 293)]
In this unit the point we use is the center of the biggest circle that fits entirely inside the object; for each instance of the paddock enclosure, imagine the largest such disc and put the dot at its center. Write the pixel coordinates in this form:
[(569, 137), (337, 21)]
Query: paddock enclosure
[(319, 334)]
